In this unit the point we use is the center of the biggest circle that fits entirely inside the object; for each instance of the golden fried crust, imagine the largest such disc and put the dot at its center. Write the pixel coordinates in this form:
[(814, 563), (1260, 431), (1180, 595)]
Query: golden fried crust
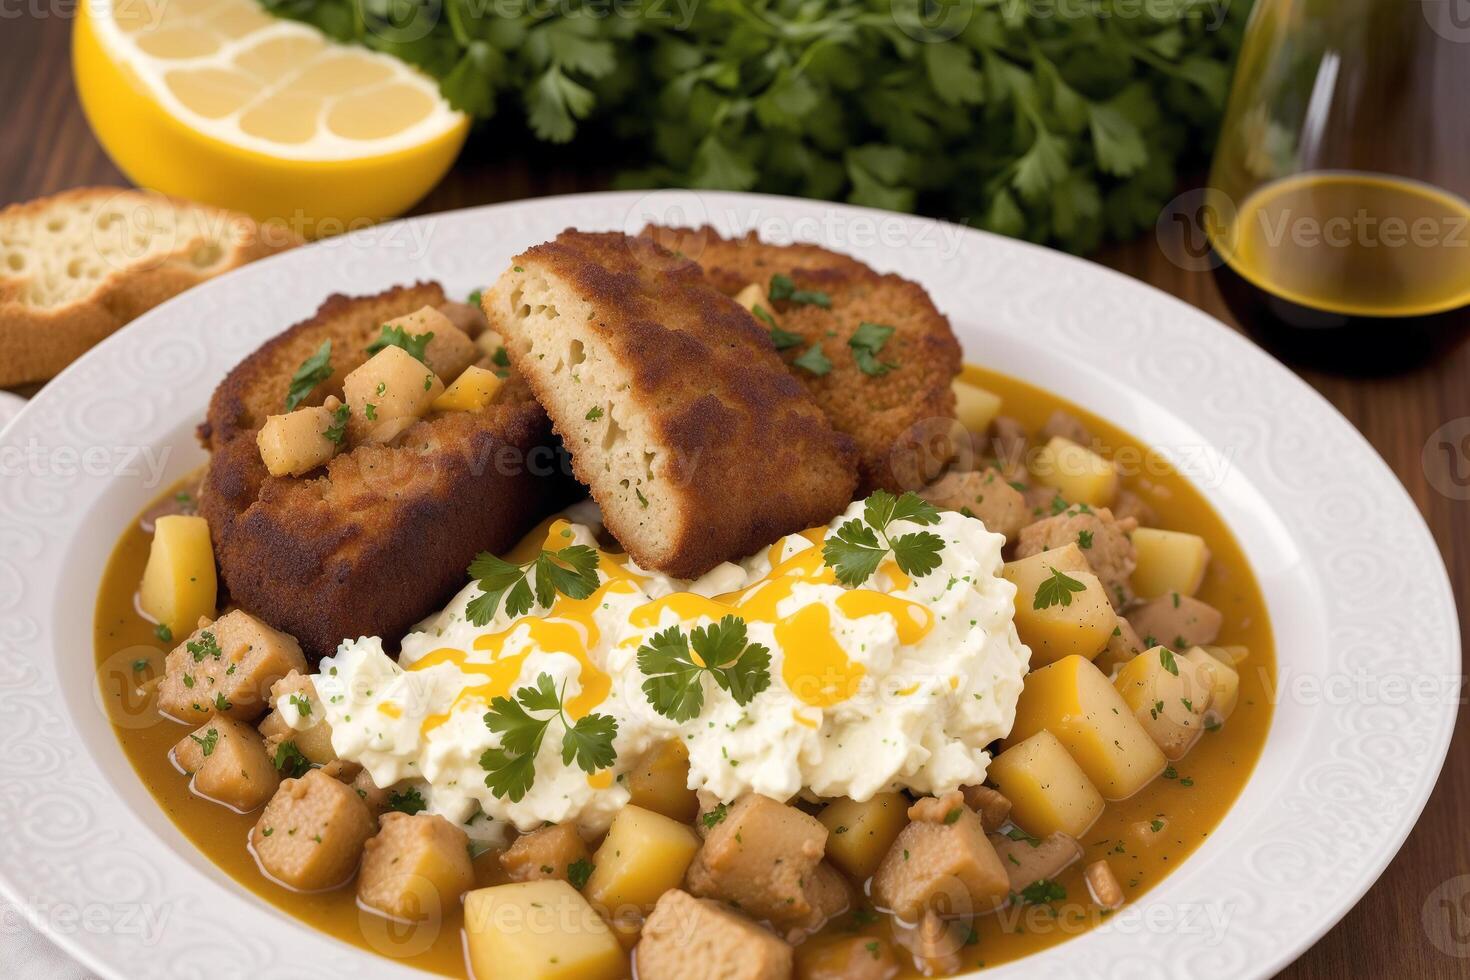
[(698, 445), (381, 536), (901, 420)]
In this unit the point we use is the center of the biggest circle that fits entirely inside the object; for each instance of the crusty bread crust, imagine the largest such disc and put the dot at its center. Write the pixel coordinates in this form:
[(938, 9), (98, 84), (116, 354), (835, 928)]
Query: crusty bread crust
[(900, 419), (383, 535), (696, 442), (37, 341)]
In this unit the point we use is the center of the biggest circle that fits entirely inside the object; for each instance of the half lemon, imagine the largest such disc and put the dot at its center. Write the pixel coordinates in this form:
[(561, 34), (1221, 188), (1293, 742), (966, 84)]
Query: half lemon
[(217, 101)]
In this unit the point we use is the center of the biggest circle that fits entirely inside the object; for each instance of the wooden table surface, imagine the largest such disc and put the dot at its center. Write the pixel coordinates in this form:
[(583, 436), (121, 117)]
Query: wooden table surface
[(45, 146)]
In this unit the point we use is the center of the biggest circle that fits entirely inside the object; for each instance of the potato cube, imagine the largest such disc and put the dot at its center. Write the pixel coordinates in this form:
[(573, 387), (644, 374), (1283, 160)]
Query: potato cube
[(416, 867), (687, 937), (846, 958), (1048, 791), (228, 761), (1123, 645), (472, 390), (300, 441), (759, 857), (1176, 620), (549, 852), (860, 834), (1169, 696), (312, 832), (1060, 612), (450, 351), (940, 863), (644, 855), (387, 394), (227, 668), (1231, 654), (975, 407), (179, 586), (1224, 682), (1074, 701), (1080, 475), (1168, 561), (538, 930), (659, 781)]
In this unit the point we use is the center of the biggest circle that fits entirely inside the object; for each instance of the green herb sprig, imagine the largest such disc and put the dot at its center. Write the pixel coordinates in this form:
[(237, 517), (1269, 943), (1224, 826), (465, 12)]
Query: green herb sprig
[(394, 336), (572, 571), (674, 686), (312, 372), (859, 546), (511, 768)]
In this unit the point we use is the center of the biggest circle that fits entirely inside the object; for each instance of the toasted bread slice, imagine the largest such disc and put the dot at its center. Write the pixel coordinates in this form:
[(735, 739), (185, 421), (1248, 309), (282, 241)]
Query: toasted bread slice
[(383, 534), (76, 266), (694, 439), (901, 419)]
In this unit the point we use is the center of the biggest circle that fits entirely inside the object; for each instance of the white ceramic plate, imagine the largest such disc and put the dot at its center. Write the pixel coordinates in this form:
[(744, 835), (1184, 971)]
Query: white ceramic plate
[(1361, 605)]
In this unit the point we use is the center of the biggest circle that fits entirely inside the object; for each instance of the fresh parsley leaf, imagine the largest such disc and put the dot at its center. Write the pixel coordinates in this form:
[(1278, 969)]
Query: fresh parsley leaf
[(1043, 891), (814, 361), (289, 761), (715, 816), (205, 646), (782, 287), (164, 634), (674, 686), (312, 372), (511, 768), (410, 801), (1084, 540), (783, 339), (594, 413), (208, 743), (395, 336), (473, 299), (572, 571), (579, 871), (857, 548), (301, 702), (866, 342), (500, 357), (1166, 657), (1056, 591), (337, 431)]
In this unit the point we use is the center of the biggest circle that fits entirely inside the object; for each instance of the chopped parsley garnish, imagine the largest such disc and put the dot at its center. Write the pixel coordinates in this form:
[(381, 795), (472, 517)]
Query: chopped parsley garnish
[(579, 871), (1084, 540), (1156, 825), (414, 344), (572, 571), (866, 342), (1016, 833), (208, 742), (714, 816), (511, 768), (312, 372), (410, 801), (473, 299), (221, 703), (500, 357), (301, 702), (814, 361), (289, 761), (1166, 657), (370, 412), (1044, 891), (337, 431), (140, 665), (858, 548), (164, 634), (674, 686), (594, 413), (954, 815), (782, 287), (205, 646), (1056, 591)]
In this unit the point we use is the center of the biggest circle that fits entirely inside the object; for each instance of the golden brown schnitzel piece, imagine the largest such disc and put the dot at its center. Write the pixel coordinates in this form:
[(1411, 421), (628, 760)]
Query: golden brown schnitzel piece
[(693, 437), (901, 417), (383, 534)]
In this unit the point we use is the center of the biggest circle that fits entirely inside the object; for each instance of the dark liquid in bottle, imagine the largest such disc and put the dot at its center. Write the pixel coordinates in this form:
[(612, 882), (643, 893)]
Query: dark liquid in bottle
[(1352, 271)]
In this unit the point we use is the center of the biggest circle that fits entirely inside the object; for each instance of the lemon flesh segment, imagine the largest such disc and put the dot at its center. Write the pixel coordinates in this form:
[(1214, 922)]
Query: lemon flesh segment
[(217, 101)]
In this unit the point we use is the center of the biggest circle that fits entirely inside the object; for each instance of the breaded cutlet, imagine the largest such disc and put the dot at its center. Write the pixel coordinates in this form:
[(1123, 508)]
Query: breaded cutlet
[(697, 443), (901, 419), (382, 535)]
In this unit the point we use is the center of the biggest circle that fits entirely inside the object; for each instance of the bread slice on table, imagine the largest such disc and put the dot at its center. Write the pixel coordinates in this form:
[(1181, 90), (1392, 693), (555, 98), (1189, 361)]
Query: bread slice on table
[(76, 266), (900, 418), (382, 535), (693, 438)]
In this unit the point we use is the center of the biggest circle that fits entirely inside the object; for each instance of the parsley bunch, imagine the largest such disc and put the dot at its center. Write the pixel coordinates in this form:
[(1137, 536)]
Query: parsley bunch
[(1060, 122), (511, 768), (859, 547), (674, 687)]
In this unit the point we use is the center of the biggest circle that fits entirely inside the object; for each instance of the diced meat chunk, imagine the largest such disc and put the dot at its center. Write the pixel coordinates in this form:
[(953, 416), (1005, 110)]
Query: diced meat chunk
[(465, 316), (759, 858), (1066, 425), (311, 834), (416, 868), (1176, 621), (1102, 539), (294, 698), (711, 811), (934, 943), (227, 668), (1123, 646), (228, 761), (372, 796), (1008, 445), (992, 806), (449, 351), (827, 895), (940, 862), (1029, 860), (1129, 504), (545, 853), (1103, 885), (983, 494), (686, 938), (847, 958)]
